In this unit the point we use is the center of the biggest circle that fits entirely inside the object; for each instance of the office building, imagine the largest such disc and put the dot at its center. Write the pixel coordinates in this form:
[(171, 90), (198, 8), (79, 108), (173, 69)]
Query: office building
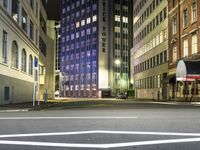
[(149, 55), (95, 42)]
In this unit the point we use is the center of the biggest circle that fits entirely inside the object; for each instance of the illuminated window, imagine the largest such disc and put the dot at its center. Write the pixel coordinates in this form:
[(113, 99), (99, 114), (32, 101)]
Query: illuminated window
[(194, 44), (157, 40), (185, 48), (194, 11), (88, 20), (117, 18), (117, 29), (82, 22), (174, 25), (125, 19), (174, 53), (77, 24), (94, 18), (161, 37)]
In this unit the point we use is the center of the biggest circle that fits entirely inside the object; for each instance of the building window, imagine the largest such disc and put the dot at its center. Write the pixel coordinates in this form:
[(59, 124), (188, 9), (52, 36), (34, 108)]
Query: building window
[(173, 3), (15, 56), (185, 18), (174, 25), (24, 20), (94, 18), (15, 10), (23, 63), (42, 23), (42, 46), (194, 11), (174, 53), (31, 30), (185, 48), (36, 36), (194, 44), (6, 93), (30, 69), (36, 10), (31, 3), (5, 4), (5, 47)]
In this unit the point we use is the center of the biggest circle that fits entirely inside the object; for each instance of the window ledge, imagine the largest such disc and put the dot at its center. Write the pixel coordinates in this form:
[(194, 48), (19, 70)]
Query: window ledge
[(4, 64), (194, 22), (23, 72), (14, 68)]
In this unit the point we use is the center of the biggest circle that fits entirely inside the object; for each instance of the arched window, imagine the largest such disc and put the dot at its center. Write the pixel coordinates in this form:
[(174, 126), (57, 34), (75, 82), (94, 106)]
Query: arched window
[(30, 68), (15, 56), (23, 60)]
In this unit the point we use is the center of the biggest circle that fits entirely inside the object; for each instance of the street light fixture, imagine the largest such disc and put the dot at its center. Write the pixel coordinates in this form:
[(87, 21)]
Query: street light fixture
[(117, 62)]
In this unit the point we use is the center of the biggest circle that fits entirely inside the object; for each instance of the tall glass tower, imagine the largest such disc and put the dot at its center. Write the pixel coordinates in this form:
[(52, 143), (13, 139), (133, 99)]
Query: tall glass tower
[(88, 43)]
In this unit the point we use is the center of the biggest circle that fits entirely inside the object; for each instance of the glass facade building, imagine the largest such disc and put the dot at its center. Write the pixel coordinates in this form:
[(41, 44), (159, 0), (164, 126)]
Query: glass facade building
[(91, 42)]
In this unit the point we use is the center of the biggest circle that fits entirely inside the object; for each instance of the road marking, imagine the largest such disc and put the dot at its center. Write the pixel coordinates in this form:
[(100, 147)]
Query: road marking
[(196, 138), (100, 132), (14, 110), (42, 118), (100, 146)]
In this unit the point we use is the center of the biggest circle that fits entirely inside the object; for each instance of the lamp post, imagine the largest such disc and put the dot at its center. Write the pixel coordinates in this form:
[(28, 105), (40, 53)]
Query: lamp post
[(117, 63)]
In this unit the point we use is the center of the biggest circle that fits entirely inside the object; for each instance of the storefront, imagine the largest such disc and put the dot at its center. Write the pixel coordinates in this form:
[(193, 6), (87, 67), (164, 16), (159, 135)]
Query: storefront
[(188, 80)]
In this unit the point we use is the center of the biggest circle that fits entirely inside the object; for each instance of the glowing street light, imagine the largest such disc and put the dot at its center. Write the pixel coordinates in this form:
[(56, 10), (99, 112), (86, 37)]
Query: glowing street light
[(117, 62)]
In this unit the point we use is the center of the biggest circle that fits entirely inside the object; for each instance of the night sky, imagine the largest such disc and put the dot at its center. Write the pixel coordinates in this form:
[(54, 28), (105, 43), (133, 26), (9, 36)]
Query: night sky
[(53, 9)]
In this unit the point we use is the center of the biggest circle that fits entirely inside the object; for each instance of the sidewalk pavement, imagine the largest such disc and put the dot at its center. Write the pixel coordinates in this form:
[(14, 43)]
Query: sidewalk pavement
[(84, 102)]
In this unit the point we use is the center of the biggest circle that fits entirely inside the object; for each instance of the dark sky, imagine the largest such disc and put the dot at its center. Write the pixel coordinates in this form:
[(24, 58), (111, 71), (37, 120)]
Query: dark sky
[(53, 9)]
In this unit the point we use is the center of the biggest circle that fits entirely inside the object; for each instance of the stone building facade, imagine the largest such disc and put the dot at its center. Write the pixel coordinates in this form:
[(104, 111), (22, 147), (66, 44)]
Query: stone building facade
[(19, 50), (184, 23), (149, 55)]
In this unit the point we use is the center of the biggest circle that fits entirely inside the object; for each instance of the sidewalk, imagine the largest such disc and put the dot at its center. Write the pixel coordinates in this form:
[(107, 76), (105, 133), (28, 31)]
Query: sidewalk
[(70, 103)]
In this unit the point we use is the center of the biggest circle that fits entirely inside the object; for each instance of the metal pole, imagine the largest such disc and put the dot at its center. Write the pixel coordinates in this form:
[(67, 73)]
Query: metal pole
[(34, 93), (176, 90), (38, 85)]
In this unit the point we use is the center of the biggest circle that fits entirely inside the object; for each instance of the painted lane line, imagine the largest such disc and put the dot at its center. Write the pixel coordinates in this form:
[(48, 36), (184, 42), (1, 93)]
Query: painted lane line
[(100, 146), (42, 118), (14, 110), (46, 134), (155, 142), (100, 132)]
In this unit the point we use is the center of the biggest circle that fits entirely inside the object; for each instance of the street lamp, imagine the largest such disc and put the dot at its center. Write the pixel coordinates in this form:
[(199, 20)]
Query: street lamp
[(117, 63)]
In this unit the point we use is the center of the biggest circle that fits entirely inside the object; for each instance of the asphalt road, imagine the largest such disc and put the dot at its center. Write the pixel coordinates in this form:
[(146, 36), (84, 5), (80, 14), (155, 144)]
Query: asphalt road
[(137, 126)]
